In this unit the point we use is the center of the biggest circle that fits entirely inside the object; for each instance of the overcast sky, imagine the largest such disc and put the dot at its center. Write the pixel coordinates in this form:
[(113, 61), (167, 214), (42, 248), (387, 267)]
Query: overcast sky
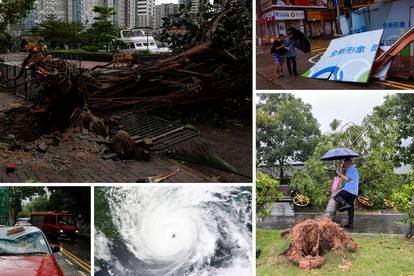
[(346, 106)]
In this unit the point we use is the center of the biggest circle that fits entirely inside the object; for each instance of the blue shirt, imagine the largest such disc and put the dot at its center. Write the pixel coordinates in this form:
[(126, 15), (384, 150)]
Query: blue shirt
[(351, 186), (291, 44)]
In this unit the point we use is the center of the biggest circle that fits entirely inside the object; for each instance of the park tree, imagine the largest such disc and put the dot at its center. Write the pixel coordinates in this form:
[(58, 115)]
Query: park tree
[(226, 24), (10, 12), (286, 131), (103, 30), (400, 108), (39, 203), (375, 139), (267, 192), (404, 201), (19, 193), (77, 200), (57, 33)]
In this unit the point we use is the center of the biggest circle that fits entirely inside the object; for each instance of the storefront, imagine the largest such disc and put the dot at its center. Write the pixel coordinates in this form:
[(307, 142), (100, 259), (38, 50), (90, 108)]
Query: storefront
[(277, 16), (279, 21)]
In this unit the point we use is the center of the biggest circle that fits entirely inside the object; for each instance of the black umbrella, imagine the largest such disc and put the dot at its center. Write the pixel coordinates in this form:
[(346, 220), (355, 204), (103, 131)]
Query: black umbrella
[(339, 154), (302, 42)]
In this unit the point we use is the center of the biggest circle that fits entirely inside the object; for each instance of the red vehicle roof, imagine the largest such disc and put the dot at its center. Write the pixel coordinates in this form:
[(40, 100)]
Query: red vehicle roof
[(29, 266)]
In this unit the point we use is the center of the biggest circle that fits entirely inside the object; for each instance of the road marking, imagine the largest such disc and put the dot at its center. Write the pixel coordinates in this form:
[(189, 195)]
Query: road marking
[(393, 85), (69, 262), (81, 273), (322, 49), (400, 83), (86, 266), (311, 60)]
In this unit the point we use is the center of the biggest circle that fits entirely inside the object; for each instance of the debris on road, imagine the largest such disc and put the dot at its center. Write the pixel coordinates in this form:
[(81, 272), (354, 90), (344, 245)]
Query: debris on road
[(312, 239), (158, 178), (112, 106)]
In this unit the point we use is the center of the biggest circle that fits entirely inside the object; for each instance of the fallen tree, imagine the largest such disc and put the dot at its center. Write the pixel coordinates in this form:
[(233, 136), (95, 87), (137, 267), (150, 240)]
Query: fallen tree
[(312, 239), (207, 71)]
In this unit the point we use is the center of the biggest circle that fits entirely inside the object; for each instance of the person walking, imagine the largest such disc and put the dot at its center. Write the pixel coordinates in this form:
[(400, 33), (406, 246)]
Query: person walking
[(278, 50), (290, 54), (347, 195)]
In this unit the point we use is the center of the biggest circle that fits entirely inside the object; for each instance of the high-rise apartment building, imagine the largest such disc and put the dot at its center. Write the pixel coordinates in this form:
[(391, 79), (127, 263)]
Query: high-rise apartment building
[(125, 11), (145, 13), (163, 11), (195, 4)]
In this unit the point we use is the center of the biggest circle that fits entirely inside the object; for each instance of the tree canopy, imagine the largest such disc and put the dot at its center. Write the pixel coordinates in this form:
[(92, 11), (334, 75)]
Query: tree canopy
[(11, 11), (378, 140), (103, 30), (267, 192), (58, 33), (225, 23), (19, 193), (286, 131)]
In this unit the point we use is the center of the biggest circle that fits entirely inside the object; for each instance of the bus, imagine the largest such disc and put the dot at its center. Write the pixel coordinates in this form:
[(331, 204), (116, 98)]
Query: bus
[(56, 224)]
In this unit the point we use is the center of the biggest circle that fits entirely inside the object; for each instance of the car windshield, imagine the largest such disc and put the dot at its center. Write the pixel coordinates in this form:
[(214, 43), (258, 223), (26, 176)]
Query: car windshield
[(65, 219), (31, 244)]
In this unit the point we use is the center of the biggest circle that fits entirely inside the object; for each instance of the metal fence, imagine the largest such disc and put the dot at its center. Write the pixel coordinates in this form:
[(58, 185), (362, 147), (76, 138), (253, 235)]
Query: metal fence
[(27, 86)]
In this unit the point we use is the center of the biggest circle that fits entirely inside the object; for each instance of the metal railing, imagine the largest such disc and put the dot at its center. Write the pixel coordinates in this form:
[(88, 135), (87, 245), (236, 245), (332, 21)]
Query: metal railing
[(27, 86)]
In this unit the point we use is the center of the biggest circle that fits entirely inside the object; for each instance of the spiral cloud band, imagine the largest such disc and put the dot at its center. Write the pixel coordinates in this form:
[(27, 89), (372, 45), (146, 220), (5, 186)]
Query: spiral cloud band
[(178, 231)]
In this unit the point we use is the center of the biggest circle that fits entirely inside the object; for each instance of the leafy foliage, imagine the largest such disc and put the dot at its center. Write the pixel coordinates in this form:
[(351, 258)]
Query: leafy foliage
[(286, 130), (11, 11), (58, 33), (267, 192), (103, 30), (404, 200), (376, 140), (226, 23), (400, 108), (17, 194)]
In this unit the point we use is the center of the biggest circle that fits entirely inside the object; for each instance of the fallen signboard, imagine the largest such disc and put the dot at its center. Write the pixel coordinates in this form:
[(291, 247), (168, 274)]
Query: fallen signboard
[(348, 59)]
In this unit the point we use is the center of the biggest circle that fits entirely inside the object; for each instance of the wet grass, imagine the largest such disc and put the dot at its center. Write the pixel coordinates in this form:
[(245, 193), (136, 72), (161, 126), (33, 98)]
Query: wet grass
[(378, 255)]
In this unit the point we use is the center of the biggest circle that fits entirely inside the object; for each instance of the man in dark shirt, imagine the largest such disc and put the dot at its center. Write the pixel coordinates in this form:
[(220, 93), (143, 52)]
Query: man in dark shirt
[(278, 49)]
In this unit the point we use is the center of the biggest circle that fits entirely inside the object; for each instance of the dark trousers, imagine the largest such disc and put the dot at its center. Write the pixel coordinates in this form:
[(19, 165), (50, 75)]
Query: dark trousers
[(344, 196), (291, 62)]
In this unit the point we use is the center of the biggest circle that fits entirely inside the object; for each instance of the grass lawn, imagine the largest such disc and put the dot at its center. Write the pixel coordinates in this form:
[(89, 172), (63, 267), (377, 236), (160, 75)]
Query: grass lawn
[(379, 255)]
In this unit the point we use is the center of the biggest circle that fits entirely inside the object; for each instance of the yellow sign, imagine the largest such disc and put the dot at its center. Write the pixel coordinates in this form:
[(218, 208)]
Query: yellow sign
[(313, 15)]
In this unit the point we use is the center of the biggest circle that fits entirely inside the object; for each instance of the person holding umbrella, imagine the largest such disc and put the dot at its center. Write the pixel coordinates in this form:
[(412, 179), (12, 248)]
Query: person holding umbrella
[(347, 195), (290, 55), (350, 177)]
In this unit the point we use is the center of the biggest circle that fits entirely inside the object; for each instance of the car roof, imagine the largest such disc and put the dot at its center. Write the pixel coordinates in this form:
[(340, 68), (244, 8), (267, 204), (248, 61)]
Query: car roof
[(26, 230)]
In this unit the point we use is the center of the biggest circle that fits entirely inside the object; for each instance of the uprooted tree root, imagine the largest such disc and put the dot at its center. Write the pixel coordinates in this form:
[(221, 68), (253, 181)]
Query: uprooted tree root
[(312, 239)]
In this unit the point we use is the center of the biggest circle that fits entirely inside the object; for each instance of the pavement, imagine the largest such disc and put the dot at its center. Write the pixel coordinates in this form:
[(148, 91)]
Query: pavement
[(79, 159), (265, 79), (74, 256)]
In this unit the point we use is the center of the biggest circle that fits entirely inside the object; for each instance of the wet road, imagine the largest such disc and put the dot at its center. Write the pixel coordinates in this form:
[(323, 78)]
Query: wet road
[(74, 257), (364, 222), (265, 78)]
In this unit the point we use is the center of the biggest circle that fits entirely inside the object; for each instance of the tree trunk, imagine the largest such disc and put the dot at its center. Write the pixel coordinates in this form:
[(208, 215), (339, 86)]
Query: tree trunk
[(281, 170)]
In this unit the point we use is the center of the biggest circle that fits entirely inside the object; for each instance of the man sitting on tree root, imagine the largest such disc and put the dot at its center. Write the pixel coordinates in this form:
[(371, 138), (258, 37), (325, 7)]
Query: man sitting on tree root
[(346, 196)]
